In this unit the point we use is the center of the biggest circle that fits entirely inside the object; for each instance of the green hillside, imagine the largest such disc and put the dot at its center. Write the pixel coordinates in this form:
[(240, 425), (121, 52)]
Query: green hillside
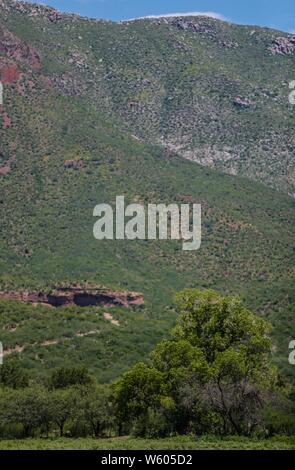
[(58, 111), (215, 92)]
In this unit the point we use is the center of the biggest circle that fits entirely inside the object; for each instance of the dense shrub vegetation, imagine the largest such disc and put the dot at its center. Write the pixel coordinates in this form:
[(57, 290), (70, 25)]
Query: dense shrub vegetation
[(213, 375)]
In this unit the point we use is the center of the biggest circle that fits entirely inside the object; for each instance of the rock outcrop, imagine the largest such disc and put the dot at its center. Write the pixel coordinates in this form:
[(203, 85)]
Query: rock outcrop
[(16, 49), (77, 296), (50, 13), (242, 102), (283, 45), (74, 164), (187, 25), (201, 26)]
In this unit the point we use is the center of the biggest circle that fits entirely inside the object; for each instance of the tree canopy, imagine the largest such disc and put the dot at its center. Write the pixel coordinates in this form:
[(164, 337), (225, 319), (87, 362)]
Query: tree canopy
[(214, 371)]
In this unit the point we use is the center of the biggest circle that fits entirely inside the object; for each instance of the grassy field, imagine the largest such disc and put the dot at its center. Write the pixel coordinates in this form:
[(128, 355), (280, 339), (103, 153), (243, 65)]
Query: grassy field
[(176, 443)]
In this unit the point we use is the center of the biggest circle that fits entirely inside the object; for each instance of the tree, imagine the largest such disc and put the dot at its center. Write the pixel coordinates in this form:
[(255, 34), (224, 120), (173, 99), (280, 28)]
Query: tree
[(182, 365), (69, 376), (27, 407), (212, 375), (62, 407), (135, 392), (98, 410), (12, 375), (237, 348), (215, 324)]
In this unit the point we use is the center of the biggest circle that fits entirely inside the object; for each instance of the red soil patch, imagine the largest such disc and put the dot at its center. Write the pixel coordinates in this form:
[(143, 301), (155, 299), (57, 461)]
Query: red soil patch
[(6, 122), (9, 72), (6, 168)]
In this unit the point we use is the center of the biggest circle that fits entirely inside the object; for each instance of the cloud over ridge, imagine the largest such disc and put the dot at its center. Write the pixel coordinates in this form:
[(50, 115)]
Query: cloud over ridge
[(210, 14)]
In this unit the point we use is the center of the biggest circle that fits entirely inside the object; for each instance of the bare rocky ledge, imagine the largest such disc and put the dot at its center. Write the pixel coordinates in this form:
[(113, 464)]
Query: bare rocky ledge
[(77, 296)]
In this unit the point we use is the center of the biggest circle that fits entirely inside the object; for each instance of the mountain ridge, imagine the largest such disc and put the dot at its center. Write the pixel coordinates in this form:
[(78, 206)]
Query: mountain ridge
[(237, 122)]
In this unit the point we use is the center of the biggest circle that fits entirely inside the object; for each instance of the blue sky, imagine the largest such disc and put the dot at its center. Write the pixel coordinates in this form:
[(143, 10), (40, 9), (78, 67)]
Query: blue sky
[(279, 14)]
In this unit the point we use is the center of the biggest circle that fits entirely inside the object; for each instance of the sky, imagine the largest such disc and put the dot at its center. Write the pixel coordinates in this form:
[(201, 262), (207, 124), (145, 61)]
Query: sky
[(278, 14)]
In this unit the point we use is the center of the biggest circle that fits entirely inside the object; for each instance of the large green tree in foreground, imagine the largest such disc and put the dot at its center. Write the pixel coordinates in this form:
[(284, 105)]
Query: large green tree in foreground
[(212, 375)]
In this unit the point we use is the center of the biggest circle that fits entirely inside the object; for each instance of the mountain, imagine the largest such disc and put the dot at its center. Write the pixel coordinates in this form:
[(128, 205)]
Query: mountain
[(95, 109), (214, 92)]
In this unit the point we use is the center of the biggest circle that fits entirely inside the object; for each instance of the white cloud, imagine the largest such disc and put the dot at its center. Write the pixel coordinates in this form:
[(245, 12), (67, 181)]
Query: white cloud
[(210, 14), (292, 31)]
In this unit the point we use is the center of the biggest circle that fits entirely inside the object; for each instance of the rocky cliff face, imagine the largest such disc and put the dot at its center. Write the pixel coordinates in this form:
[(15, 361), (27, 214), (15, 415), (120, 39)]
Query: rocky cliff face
[(76, 296)]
